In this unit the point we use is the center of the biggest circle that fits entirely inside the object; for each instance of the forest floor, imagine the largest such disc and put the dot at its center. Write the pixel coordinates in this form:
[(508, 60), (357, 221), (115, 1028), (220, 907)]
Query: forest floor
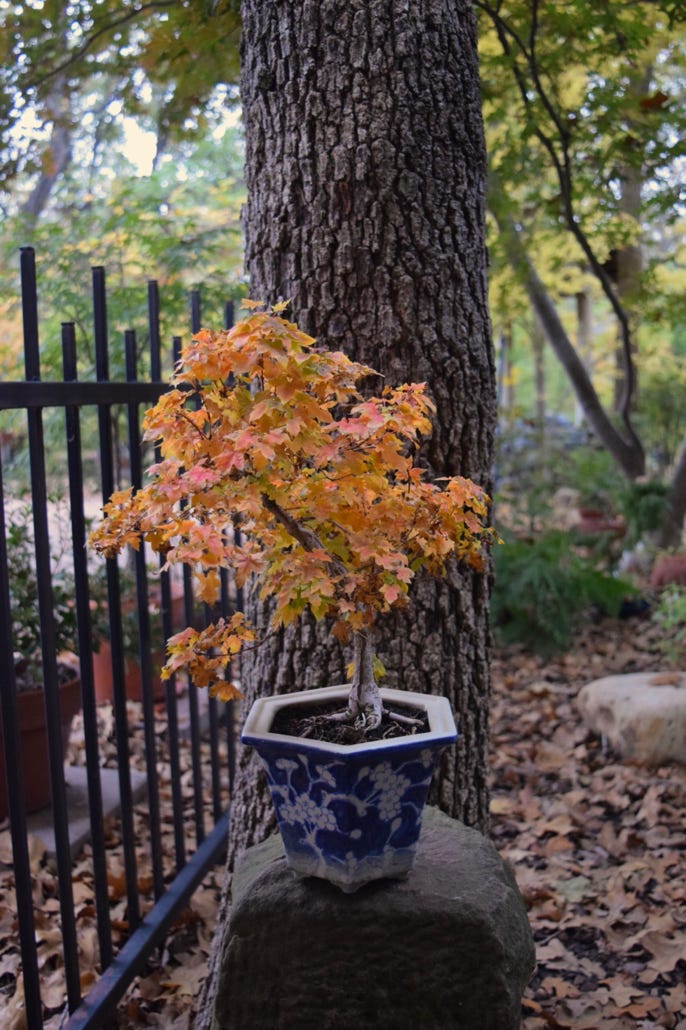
[(598, 847)]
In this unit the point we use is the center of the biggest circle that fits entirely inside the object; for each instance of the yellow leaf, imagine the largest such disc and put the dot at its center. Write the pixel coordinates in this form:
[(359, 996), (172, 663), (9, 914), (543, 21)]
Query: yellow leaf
[(224, 691), (208, 586)]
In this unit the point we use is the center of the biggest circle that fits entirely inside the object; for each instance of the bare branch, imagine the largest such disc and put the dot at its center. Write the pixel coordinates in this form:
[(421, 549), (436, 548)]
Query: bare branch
[(307, 539)]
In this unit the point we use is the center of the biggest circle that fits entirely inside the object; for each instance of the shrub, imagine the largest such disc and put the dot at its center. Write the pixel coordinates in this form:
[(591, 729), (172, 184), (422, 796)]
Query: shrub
[(642, 506), (543, 588), (670, 616), (26, 634)]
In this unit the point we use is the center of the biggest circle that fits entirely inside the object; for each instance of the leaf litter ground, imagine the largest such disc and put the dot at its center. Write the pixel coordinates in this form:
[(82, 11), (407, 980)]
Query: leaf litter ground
[(598, 848)]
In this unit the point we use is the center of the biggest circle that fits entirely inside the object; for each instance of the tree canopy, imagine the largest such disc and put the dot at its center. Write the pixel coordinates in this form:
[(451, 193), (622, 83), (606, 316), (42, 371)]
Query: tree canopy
[(70, 68), (584, 114)]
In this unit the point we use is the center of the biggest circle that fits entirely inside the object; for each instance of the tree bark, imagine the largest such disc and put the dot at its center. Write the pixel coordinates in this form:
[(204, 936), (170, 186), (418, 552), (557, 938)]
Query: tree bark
[(629, 262), (672, 528), (584, 337), (57, 155), (629, 259), (538, 346), (365, 172)]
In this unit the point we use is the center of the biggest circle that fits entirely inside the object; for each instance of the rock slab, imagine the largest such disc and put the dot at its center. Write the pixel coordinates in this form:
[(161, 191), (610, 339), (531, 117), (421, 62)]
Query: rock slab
[(642, 714), (448, 948)]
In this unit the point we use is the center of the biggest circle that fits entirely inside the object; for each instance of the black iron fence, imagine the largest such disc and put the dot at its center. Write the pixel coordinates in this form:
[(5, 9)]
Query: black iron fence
[(196, 796)]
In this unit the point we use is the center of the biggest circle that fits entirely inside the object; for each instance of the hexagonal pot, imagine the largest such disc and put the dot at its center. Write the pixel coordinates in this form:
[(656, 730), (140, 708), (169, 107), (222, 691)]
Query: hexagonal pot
[(349, 814)]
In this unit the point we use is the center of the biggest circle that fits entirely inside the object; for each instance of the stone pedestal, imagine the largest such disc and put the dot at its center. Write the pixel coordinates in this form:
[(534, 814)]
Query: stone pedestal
[(449, 948)]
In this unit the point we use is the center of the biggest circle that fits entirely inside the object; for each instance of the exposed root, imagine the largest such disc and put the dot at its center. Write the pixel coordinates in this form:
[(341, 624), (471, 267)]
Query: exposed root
[(347, 715), (369, 719), (347, 726), (403, 720)]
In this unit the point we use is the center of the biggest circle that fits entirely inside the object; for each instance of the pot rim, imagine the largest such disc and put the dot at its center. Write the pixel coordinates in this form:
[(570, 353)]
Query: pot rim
[(256, 731)]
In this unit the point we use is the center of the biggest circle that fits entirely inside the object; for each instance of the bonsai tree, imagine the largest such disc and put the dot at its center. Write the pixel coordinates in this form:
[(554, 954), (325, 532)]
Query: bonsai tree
[(273, 464)]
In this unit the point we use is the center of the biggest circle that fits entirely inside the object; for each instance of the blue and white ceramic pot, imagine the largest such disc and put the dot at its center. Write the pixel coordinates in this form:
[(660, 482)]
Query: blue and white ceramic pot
[(349, 814)]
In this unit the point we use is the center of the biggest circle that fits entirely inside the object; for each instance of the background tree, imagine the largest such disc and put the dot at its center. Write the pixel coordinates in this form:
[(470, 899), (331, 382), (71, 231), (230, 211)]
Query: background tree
[(119, 146), (585, 130), (162, 61)]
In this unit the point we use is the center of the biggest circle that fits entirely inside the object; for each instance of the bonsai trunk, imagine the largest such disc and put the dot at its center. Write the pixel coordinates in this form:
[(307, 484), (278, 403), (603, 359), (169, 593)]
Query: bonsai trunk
[(364, 702)]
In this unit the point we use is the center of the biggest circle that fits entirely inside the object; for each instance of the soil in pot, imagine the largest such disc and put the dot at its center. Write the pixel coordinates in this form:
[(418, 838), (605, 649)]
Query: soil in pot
[(315, 723)]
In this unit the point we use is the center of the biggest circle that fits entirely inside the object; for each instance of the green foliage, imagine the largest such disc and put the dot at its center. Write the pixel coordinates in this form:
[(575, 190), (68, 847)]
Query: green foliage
[(596, 477), (642, 505), (661, 403), (543, 589), (100, 622), (670, 616), (585, 126), (532, 463), (24, 600), (565, 81), (180, 225)]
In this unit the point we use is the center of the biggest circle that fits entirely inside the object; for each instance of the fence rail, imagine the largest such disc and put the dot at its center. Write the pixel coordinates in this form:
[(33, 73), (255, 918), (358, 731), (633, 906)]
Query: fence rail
[(196, 848)]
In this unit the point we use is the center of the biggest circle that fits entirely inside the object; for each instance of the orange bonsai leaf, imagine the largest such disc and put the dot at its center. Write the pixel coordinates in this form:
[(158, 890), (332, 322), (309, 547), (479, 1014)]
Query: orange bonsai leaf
[(265, 433)]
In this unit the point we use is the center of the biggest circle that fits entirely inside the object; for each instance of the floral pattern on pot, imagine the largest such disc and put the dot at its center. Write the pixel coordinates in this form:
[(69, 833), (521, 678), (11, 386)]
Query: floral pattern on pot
[(349, 813), (350, 821)]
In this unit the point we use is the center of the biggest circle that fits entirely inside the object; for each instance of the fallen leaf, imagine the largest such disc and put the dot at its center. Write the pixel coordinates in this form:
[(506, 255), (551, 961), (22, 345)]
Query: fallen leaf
[(665, 951), (575, 888), (186, 979)]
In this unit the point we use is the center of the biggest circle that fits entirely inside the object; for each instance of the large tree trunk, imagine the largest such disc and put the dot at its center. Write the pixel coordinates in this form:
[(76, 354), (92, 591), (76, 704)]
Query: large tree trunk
[(365, 175), (365, 170)]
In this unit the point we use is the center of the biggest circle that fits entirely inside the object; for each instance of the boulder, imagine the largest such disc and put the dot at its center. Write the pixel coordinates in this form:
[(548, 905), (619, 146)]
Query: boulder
[(642, 714), (448, 948)]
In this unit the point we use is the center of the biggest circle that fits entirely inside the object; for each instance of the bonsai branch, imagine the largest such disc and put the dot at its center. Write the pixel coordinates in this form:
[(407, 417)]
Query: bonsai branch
[(307, 538), (364, 703)]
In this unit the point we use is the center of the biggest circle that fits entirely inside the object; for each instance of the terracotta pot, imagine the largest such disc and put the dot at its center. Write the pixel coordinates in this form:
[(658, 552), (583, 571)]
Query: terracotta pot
[(133, 681), (35, 763), (592, 522), (133, 684)]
